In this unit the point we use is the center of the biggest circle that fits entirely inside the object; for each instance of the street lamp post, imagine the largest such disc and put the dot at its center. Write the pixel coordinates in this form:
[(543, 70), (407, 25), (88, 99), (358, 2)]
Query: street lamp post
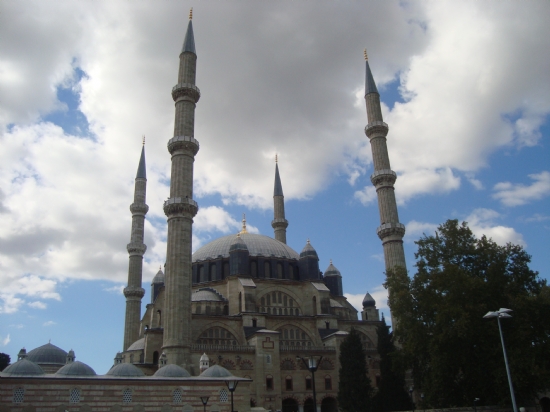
[(411, 389), (204, 400), (312, 364), (232, 385), (475, 404), (504, 313)]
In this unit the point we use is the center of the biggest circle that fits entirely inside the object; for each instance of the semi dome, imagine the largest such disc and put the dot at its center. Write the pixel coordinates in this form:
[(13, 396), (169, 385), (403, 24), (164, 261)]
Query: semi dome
[(172, 371), (23, 367), (76, 368), (125, 370), (258, 245), (137, 345), (47, 353), (216, 371), (207, 295)]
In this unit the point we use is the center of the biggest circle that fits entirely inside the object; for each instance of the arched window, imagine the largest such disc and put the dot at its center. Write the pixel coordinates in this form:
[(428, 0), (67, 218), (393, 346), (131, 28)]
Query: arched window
[(18, 395), (290, 272), (267, 270), (288, 383), (217, 336), (177, 396), (74, 395), (328, 383), (155, 358), (198, 310), (280, 271), (224, 397), (127, 395), (225, 270), (201, 274), (253, 269), (308, 383), (269, 382)]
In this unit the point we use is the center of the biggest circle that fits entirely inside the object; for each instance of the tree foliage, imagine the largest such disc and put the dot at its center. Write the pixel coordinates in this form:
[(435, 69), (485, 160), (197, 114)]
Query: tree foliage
[(391, 395), (354, 389), (4, 361), (456, 355)]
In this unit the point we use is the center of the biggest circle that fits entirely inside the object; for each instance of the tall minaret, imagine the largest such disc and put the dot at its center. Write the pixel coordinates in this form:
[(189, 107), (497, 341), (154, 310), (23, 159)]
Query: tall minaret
[(180, 209), (279, 222), (136, 249), (390, 231)]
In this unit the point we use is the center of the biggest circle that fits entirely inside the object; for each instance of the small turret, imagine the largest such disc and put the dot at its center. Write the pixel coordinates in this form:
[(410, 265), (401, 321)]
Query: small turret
[(70, 356), (333, 280), (22, 354), (309, 263), (156, 284), (118, 358), (204, 362), (369, 311), (238, 256)]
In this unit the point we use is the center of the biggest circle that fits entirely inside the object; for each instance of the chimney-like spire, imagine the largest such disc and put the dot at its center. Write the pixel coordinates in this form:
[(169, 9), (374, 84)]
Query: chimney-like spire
[(279, 222), (180, 208), (390, 231), (189, 41), (141, 172)]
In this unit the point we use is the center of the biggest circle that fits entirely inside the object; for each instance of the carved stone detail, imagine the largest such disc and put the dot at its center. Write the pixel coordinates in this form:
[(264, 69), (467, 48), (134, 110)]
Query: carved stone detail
[(139, 209), (183, 90), (178, 205), (390, 229), (384, 177), (376, 128), (134, 292), (186, 143), (136, 248)]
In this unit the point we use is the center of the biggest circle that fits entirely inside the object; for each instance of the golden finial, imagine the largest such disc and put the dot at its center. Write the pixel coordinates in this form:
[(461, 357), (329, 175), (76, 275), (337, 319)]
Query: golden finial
[(191, 14), (243, 231), (143, 140), (331, 261), (276, 160), (365, 53)]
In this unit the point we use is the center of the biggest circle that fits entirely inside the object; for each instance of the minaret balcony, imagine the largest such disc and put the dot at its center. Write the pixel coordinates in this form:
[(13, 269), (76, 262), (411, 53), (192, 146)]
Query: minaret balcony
[(180, 205), (384, 177), (139, 209), (134, 292), (186, 143), (393, 229), (279, 222), (186, 91), (137, 249), (377, 128)]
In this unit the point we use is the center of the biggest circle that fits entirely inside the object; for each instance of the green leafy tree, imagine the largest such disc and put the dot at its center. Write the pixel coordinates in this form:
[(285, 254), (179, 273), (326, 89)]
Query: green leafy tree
[(4, 361), (391, 395), (456, 355), (354, 388)]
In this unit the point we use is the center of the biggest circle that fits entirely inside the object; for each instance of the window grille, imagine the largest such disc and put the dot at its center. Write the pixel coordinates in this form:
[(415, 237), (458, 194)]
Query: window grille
[(224, 396), (177, 396), (18, 395), (74, 395), (127, 396)]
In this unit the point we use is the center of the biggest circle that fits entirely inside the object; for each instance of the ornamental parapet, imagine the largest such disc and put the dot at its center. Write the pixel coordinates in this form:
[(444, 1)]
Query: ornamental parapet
[(180, 205), (134, 292), (136, 249), (186, 90), (139, 208), (376, 128), (188, 143), (383, 177), (390, 229), (306, 349), (202, 348), (279, 222)]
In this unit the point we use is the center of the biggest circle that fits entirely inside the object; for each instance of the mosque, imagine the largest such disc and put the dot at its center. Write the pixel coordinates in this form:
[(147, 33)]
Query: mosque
[(243, 308)]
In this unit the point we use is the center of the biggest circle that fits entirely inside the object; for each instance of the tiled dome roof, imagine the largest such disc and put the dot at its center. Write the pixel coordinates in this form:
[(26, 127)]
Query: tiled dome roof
[(216, 371), (125, 370), (137, 345), (208, 295), (23, 367), (76, 368), (48, 353), (172, 371), (258, 245)]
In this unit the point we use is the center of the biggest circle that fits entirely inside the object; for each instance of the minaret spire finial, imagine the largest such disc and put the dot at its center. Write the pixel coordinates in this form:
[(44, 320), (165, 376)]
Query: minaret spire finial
[(244, 225), (276, 158), (143, 140), (366, 56), (191, 14)]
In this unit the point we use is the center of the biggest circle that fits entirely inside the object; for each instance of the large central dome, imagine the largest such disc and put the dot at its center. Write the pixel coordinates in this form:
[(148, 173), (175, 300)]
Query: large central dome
[(258, 245)]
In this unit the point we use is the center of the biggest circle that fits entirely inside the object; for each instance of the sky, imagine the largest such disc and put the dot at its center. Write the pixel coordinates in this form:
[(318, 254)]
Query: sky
[(465, 91)]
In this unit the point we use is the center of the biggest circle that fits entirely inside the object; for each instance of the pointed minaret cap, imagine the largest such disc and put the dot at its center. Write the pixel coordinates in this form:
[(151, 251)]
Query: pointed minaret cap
[(332, 271), (189, 42), (141, 172), (370, 85), (159, 277), (278, 189), (308, 250), (368, 301)]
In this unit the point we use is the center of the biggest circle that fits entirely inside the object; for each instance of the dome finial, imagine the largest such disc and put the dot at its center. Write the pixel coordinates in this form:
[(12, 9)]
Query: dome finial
[(331, 261), (276, 159), (365, 53), (143, 140), (244, 225), (308, 241), (191, 14)]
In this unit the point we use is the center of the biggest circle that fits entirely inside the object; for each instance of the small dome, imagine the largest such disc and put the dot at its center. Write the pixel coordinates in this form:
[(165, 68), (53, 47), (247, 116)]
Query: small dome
[(159, 277), (332, 271), (47, 353), (207, 294), (172, 371), (76, 368), (138, 345), (238, 244), (216, 371), (368, 301), (125, 370), (23, 367), (204, 358), (308, 250)]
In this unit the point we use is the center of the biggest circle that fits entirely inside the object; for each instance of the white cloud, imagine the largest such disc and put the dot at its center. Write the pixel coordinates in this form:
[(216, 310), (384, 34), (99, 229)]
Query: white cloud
[(414, 230), (538, 217), (5, 340), (482, 222), (49, 323), (517, 194), (117, 289), (37, 305), (366, 195)]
